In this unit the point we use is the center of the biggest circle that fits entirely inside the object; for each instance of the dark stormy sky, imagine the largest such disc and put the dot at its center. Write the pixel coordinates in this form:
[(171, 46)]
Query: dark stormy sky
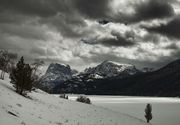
[(83, 33)]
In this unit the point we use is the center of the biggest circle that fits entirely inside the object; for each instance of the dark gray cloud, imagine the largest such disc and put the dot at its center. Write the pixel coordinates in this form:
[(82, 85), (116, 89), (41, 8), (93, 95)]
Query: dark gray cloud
[(154, 9), (144, 10), (10, 18), (95, 9), (42, 8), (68, 25), (116, 39), (58, 14), (171, 29), (24, 31), (172, 46), (147, 10), (103, 22)]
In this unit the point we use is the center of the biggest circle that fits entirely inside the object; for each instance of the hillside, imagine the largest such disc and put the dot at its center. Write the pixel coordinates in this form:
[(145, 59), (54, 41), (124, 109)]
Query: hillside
[(44, 109)]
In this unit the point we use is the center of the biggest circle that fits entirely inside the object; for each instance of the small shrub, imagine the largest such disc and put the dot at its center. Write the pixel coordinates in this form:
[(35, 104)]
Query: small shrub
[(64, 96), (148, 112), (83, 99)]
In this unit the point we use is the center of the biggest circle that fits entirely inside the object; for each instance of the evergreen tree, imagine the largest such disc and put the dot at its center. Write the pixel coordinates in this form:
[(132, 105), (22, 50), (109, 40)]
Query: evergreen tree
[(148, 112), (21, 77)]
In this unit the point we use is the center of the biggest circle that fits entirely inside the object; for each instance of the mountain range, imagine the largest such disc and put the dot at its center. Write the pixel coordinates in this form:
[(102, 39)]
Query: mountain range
[(115, 79)]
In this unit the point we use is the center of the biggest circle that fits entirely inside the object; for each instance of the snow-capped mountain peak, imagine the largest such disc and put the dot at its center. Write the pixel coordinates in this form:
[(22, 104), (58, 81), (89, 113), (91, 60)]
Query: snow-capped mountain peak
[(110, 68), (59, 73)]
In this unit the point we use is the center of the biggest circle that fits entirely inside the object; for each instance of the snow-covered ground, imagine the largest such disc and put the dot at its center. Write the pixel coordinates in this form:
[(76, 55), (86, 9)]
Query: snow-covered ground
[(44, 109), (166, 111)]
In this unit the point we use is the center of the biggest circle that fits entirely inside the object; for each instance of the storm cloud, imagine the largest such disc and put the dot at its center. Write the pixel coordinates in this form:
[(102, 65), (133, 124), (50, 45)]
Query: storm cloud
[(116, 39), (96, 9), (41, 8), (147, 10), (90, 31), (171, 29)]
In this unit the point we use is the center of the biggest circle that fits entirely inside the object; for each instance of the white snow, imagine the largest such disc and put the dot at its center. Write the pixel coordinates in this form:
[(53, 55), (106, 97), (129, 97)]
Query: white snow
[(128, 99), (45, 109), (120, 64), (98, 76), (165, 110)]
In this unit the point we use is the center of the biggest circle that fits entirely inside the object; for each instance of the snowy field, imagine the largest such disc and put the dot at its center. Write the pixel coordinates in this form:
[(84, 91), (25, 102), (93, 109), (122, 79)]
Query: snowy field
[(44, 109), (166, 111)]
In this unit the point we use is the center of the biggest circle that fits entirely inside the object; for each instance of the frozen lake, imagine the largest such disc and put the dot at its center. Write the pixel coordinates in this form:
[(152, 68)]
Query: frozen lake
[(166, 111)]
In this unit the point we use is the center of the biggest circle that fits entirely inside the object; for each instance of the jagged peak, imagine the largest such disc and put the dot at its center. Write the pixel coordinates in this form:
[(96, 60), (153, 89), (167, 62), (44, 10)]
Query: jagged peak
[(57, 68), (109, 68)]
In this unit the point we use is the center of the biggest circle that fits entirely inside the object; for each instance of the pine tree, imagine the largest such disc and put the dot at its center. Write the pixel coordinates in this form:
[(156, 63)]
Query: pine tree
[(21, 77), (148, 112)]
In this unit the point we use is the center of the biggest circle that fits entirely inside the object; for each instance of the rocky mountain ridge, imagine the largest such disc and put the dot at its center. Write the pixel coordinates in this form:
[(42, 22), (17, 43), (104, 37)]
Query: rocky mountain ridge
[(57, 74)]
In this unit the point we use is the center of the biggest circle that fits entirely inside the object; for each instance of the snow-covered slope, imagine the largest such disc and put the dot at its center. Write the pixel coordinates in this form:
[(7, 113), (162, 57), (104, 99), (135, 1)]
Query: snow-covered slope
[(45, 109)]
